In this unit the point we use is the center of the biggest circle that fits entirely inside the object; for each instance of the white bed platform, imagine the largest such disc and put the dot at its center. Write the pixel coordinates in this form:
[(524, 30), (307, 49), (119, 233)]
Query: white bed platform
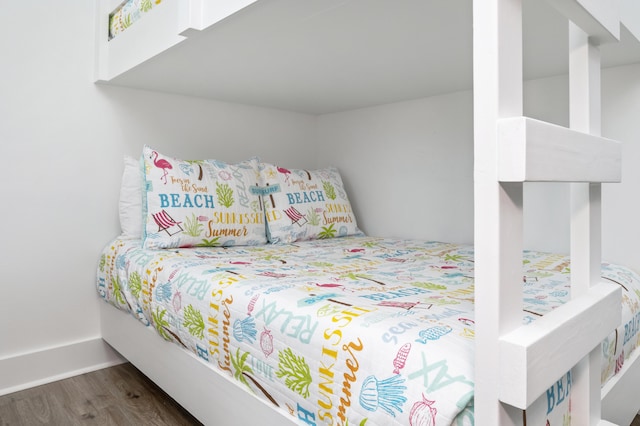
[(215, 399), (203, 48), (209, 395)]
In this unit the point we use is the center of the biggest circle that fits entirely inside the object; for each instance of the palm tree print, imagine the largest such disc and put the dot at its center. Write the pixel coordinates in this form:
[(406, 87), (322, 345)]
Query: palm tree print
[(145, 5), (242, 372), (160, 322), (162, 325), (215, 241), (453, 257), (327, 232), (241, 368), (117, 290)]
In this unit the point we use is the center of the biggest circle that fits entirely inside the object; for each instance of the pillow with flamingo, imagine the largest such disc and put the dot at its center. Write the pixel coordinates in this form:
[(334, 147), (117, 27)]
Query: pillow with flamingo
[(200, 202), (305, 205)]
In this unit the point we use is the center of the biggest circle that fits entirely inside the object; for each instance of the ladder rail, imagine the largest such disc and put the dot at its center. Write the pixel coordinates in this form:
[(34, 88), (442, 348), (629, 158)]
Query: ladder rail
[(501, 137)]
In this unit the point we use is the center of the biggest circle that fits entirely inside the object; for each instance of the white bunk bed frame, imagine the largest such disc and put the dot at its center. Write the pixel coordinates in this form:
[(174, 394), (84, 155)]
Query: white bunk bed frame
[(509, 150)]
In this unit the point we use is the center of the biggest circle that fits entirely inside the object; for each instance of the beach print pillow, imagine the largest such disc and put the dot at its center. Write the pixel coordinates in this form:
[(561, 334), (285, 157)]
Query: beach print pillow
[(200, 203), (305, 205)]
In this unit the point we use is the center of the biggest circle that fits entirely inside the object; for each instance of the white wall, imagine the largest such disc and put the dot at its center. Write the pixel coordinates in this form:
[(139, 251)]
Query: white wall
[(408, 166), (621, 202), (62, 139)]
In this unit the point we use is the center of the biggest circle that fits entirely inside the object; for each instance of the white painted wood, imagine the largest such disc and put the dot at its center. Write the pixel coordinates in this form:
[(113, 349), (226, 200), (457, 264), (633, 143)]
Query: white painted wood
[(586, 240), (630, 16), (214, 11), (165, 26), (153, 34), (497, 40), (199, 15), (600, 19), (619, 405), (48, 365), (535, 355), (331, 64), (532, 150), (209, 395), (620, 402), (585, 270)]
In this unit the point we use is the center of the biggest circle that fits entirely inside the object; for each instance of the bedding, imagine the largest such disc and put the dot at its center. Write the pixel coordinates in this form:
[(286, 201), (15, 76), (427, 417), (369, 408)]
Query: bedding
[(200, 202), (130, 201), (127, 13), (353, 330), (305, 204)]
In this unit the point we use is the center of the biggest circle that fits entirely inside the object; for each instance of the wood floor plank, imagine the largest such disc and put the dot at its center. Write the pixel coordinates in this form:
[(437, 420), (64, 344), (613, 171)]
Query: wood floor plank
[(119, 395), (115, 396)]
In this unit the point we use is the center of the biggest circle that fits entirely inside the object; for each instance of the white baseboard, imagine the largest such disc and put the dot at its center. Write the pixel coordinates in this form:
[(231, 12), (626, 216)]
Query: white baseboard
[(49, 365)]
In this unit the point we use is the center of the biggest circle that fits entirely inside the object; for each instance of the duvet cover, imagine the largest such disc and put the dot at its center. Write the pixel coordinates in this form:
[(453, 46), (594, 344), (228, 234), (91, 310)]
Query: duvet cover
[(353, 330), (127, 14)]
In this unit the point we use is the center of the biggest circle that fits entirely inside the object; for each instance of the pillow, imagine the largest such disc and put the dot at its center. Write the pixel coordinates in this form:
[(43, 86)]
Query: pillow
[(305, 205), (200, 203), (130, 205)]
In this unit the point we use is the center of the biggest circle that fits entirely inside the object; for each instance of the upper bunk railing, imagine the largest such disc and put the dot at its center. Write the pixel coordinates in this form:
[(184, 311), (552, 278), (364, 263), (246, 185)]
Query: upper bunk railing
[(509, 150), (153, 36)]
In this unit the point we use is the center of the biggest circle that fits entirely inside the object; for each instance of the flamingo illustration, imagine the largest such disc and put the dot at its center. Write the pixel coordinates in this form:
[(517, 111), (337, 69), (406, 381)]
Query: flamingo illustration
[(285, 172), (161, 164)]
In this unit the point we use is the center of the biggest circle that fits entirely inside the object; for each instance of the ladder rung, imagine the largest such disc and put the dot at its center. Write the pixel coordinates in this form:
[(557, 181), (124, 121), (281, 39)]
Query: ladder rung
[(533, 150), (533, 356)]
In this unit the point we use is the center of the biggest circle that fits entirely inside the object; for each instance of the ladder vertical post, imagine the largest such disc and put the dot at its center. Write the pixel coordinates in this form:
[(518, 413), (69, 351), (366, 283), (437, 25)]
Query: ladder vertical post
[(497, 69), (585, 106)]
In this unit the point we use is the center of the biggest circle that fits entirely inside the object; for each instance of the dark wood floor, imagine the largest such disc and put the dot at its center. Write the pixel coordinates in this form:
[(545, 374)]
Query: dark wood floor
[(119, 395)]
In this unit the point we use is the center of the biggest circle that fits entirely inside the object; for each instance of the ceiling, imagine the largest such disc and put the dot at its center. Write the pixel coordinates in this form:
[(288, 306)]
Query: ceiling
[(332, 55)]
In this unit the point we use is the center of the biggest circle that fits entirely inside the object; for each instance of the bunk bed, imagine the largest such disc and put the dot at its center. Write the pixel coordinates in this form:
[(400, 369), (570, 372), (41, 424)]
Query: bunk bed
[(509, 149)]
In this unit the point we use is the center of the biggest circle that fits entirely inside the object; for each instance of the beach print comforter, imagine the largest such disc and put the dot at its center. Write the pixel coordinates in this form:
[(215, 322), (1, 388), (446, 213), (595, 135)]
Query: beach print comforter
[(353, 330), (128, 13)]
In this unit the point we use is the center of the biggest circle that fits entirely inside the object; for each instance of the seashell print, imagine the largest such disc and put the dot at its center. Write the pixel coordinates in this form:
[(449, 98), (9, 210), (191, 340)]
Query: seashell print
[(423, 413), (177, 301), (266, 342)]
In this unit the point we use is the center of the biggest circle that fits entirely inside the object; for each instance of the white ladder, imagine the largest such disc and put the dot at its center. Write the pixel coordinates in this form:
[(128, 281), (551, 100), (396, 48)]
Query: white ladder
[(516, 364)]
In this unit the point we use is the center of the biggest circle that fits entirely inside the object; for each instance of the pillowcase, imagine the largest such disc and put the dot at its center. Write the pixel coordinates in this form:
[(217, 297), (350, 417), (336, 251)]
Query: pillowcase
[(130, 204), (305, 205), (200, 203)]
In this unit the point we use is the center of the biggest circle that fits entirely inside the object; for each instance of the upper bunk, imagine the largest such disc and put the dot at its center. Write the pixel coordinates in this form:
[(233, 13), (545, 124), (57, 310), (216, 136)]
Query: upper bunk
[(324, 56)]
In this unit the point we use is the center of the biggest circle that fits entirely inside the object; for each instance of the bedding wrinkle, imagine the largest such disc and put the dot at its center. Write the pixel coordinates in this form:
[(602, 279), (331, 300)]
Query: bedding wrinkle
[(346, 329)]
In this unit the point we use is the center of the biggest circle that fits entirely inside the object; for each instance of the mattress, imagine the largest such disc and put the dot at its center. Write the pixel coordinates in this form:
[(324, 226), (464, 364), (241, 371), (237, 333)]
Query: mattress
[(353, 330)]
